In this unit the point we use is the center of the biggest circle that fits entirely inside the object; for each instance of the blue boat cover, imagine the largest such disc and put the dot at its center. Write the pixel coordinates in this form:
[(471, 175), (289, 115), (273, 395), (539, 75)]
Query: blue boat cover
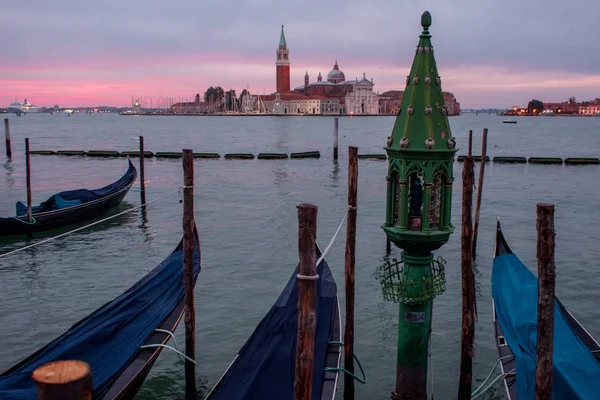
[(264, 368), (70, 198), (576, 373), (109, 338)]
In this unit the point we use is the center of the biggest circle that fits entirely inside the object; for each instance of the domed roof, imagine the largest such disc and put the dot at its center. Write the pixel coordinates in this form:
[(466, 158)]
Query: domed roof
[(335, 75)]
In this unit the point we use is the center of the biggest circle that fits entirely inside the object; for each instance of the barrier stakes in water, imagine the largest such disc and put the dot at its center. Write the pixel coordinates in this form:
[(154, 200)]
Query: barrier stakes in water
[(63, 380), (142, 175), (468, 283), (7, 137), (188, 273), (479, 192), (546, 281), (335, 138), (307, 289), (470, 150), (28, 178), (349, 266)]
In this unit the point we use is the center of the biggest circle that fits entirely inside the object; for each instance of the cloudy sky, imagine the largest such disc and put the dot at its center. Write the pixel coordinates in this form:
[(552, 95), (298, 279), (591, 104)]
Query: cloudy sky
[(489, 53)]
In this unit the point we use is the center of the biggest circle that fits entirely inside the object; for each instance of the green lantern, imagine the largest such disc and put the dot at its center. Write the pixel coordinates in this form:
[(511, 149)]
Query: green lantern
[(419, 198)]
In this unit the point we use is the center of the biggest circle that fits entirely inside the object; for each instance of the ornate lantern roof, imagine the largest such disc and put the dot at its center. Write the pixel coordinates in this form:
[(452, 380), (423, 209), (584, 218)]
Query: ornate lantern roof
[(421, 153), (422, 121)]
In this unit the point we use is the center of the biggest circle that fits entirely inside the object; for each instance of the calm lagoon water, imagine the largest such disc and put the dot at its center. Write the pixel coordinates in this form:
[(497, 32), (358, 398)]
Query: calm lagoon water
[(246, 215)]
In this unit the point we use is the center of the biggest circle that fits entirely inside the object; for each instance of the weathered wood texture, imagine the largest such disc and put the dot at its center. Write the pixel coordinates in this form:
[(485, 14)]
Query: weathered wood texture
[(307, 285), (335, 138), (546, 281), (188, 274), (64, 380), (479, 191), (7, 138), (468, 284), (349, 267), (28, 178), (470, 148), (142, 173)]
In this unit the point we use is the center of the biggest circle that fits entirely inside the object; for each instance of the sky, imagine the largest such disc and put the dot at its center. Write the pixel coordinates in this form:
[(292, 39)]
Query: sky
[(489, 53)]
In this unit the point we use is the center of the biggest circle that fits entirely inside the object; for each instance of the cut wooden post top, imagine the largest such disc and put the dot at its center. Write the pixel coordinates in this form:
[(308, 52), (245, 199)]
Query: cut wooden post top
[(60, 372)]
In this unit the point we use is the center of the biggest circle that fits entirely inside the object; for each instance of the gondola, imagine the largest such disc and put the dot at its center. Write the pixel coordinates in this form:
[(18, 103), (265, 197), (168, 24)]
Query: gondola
[(576, 354), (121, 340), (69, 207), (264, 367)]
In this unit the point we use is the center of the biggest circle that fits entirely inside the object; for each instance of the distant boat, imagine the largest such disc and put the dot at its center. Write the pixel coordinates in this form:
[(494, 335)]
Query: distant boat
[(509, 121), (25, 108)]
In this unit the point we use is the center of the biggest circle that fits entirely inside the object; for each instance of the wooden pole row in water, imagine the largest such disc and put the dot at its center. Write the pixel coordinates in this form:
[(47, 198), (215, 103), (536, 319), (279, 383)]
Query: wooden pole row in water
[(7, 138), (72, 379), (468, 282), (545, 318), (28, 178), (479, 191), (188, 276), (307, 289)]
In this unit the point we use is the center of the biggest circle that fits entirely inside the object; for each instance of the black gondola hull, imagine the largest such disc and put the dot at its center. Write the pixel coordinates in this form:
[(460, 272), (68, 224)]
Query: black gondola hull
[(43, 221)]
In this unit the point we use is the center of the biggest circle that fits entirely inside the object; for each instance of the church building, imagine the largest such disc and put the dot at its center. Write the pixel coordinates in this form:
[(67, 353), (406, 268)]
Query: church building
[(334, 96)]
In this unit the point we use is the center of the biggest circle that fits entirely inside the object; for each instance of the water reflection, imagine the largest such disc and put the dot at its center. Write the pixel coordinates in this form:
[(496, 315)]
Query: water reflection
[(9, 168), (335, 173)]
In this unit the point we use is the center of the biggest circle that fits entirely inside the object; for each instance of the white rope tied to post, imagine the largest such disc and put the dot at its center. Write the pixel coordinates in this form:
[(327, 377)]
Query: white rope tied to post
[(315, 277), (87, 226)]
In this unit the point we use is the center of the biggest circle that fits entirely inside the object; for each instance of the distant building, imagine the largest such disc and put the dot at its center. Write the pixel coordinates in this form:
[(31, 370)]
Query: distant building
[(334, 96), (590, 107), (390, 101)]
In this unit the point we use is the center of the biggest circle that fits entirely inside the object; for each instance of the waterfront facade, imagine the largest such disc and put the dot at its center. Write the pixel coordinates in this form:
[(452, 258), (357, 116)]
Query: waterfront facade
[(390, 101), (333, 96)]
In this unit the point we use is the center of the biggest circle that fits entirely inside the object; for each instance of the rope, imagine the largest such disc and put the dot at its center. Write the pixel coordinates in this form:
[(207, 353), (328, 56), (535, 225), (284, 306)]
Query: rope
[(87, 226), (335, 235), (475, 392), (338, 369), (33, 221), (499, 377), (150, 346)]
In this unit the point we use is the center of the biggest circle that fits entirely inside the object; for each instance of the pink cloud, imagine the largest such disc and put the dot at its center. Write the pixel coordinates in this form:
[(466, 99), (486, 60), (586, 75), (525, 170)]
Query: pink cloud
[(113, 81)]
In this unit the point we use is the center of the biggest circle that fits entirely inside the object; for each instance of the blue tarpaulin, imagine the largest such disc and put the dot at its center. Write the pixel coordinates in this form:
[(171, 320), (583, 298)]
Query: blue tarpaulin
[(109, 338), (576, 373), (264, 367)]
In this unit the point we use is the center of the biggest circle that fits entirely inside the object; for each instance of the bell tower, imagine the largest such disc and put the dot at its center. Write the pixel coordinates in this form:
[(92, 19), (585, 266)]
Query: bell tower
[(282, 65)]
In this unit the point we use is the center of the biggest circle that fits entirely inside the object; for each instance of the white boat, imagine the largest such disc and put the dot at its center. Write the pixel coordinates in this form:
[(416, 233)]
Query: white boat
[(26, 107)]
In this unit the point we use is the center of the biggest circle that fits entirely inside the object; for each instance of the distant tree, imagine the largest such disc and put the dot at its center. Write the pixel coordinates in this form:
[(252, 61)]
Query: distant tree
[(572, 100), (197, 98), (535, 106)]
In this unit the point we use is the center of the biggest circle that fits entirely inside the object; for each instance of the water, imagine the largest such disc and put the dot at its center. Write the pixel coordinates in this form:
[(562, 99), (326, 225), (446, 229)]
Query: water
[(246, 214)]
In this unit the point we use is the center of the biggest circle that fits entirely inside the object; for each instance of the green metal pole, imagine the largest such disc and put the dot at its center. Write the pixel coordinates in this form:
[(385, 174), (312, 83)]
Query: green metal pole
[(414, 323)]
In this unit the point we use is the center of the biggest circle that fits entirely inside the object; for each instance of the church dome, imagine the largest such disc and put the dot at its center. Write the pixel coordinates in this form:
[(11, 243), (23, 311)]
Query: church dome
[(335, 75)]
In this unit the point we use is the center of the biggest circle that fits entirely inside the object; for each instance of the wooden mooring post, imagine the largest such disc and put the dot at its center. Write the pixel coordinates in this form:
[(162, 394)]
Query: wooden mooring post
[(335, 138), (63, 380), (142, 174), (307, 289), (470, 149), (7, 137), (479, 190), (349, 267), (188, 273), (28, 178), (468, 283), (546, 282)]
